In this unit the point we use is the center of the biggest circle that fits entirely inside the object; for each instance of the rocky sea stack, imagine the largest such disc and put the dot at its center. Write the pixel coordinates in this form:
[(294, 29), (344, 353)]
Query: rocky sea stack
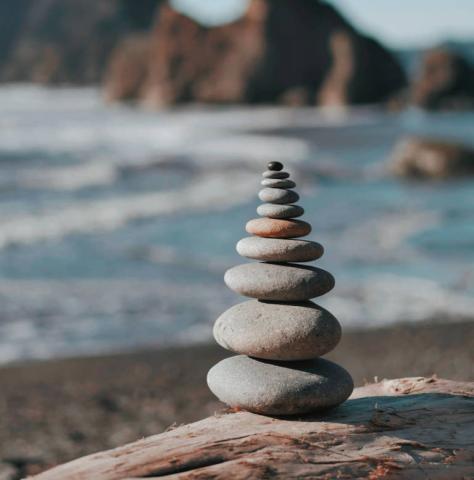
[(280, 334)]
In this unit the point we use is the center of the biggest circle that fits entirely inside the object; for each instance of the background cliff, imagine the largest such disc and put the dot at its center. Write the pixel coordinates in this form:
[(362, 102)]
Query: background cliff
[(281, 50), (65, 41), (300, 52)]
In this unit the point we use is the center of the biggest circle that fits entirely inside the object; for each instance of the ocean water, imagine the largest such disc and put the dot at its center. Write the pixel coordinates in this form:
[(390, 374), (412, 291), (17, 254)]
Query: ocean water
[(116, 225)]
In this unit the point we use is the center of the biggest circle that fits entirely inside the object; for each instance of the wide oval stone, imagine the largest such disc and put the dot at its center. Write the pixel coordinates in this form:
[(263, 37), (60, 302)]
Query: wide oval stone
[(277, 183), (279, 282), (278, 195), (279, 388), (278, 331), (273, 174), (279, 250), (273, 210), (277, 228)]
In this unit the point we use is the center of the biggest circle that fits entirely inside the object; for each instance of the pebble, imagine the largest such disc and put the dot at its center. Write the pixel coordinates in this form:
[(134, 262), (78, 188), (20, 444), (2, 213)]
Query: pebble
[(278, 195), (275, 166), (272, 174), (277, 228), (279, 250), (278, 331), (273, 210), (279, 282), (277, 183), (278, 388)]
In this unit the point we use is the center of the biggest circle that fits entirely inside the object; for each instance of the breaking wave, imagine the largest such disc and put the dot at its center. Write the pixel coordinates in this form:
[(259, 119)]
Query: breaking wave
[(163, 196), (212, 192)]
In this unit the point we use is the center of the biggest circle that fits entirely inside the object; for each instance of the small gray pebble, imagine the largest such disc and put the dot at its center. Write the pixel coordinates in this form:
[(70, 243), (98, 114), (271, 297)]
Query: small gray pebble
[(272, 174), (278, 195), (276, 183), (279, 388), (273, 210)]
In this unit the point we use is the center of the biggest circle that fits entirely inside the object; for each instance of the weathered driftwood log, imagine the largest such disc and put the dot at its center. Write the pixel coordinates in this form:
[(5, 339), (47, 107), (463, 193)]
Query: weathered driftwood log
[(411, 428)]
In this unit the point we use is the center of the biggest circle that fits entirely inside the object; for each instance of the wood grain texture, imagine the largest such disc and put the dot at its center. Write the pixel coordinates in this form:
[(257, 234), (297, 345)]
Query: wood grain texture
[(411, 428)]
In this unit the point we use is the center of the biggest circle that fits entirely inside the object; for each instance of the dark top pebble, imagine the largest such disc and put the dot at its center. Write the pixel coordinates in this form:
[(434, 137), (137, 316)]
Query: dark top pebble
[(275, 166)]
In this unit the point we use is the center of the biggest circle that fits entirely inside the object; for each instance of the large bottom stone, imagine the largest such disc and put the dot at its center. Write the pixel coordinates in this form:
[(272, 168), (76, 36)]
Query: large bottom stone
[(278, 388), (278, 331)]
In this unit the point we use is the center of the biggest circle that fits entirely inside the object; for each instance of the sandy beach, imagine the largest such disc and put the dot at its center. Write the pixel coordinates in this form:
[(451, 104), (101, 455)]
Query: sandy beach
[(54, 411)]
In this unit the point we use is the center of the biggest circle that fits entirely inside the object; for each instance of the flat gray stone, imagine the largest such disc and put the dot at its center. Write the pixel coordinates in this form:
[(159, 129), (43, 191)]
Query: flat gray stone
[(278, 195), (276, 183), (279, 388), (273, 174), (279, 250), (279, 282), (272, 210), (278, 331)]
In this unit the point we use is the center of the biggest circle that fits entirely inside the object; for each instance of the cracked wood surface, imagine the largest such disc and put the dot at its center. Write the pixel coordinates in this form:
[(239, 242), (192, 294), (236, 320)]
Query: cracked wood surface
[(410, 428)]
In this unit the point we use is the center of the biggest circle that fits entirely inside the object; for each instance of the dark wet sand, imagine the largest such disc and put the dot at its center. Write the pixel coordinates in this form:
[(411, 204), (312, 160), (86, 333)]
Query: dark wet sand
[(51, 412)]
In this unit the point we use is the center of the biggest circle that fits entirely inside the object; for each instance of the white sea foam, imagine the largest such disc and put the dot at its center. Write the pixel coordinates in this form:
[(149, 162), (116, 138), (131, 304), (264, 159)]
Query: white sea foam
[(20, 98), (74, 177), (209, 192), (54, 144), (103, 140), (135, 153), (380, 300), (77, 121), (98, 143), (44, 319), (384, 237)]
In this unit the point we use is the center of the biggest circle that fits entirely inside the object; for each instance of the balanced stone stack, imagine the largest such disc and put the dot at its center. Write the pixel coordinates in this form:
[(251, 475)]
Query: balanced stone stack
[(281, 334)]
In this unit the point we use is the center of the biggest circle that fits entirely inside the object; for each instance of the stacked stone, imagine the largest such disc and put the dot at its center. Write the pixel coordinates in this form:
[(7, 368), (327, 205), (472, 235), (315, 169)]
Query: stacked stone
[(281, 334)]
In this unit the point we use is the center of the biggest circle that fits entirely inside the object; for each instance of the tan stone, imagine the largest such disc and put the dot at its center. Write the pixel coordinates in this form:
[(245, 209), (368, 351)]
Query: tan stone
[(277, 228)]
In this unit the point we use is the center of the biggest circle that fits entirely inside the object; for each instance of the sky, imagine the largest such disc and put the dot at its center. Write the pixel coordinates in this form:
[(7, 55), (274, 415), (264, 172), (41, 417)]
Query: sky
[(398, 23)]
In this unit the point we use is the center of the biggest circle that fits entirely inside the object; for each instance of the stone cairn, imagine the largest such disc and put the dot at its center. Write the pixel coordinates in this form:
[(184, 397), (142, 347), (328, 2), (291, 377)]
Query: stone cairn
[(281, 334)]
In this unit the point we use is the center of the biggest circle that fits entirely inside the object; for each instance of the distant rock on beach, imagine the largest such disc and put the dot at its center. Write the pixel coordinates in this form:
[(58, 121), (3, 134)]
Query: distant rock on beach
[(289, 51), (445, 81), (426, 158)]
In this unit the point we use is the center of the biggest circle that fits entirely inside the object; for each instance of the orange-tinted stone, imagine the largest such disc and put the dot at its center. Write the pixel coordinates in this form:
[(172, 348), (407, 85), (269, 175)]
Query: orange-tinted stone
[(277, 228)]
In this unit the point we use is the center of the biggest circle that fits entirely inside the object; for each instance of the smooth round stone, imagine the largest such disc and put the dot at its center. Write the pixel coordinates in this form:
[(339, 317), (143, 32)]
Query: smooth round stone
[(279, 250), (278, 195), (273, 210), (277, 228), (279, 282), (275, 166), (276, 183), (272, 174), (278, 388), (278, 331)]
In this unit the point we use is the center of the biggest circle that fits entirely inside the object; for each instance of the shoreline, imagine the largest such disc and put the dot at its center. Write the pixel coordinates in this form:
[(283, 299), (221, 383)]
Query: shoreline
[(55, 410)]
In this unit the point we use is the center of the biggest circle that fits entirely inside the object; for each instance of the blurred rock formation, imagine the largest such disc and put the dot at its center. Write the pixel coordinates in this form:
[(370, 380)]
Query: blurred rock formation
[(426, 158), (297, 52), (300, 52), (445, 81), (65, 41)]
